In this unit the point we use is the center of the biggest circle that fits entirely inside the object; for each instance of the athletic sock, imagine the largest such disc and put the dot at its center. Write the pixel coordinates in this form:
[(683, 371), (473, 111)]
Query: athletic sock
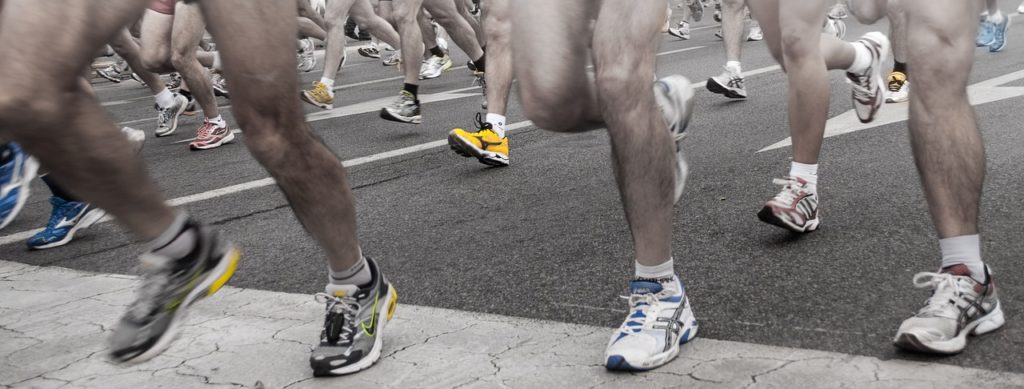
[(217, 63), (861, 59), (996, 18), (656, 272), (898, 66), (413, 89), (165, 99), (964, 250), (497, 123), (217, 121), (436, 51), (177, 241), (329, 82), (358, 275), (733, 67), (187, 94), (807, 172), (480, 63)]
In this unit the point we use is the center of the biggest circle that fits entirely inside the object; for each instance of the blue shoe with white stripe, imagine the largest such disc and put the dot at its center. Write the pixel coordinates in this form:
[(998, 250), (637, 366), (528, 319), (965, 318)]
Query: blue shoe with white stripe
[(15, 176), (999, 35), (67, 218), (660, 320)]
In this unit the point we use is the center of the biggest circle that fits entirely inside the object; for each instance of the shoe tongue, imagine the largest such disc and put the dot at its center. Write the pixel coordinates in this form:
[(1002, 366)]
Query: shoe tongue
[(957, 270), (341, 290), (645, 287)]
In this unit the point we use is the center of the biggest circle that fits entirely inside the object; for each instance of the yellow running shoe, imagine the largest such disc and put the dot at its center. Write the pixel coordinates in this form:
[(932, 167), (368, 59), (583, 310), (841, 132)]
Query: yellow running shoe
[(484, 144), (319, 96)]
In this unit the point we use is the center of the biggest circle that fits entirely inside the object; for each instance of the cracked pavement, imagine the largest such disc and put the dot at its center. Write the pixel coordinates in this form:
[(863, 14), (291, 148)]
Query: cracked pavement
[(54, 322)]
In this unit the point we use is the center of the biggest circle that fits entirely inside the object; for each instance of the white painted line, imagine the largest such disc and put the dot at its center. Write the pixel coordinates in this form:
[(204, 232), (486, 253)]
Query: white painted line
[(212, 194), (670, 52)]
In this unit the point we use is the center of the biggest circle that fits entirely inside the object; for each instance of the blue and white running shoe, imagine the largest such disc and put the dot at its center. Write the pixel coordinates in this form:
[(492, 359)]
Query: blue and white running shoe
[(999, 35), (986, 34), (659, 321), (67, 218), (15, 176)]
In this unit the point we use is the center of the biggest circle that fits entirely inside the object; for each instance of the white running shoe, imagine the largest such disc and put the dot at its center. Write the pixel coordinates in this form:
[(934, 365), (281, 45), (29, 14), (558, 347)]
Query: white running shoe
[(307, 55), (728, 84), (795, 208), (660, 320), (675, 99), (866, 88), (167, 118), (755, 34), (899, 88), (959, 306), (1020, 9), (434, 66), (681, 32)]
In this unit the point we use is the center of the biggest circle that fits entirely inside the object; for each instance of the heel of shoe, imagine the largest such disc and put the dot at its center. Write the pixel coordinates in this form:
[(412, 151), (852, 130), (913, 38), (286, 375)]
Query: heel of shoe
[(991, 322), (393, 303)]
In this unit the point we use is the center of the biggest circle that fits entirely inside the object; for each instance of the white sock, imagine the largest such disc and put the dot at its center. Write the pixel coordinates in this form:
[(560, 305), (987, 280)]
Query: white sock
[(330, 84), (498, 123), (656, 272), (964, 250), (996, 17), (218, 121), (808, 172), (217, 63), (861, 60), (165, 98), (358, 274), (733, 67)]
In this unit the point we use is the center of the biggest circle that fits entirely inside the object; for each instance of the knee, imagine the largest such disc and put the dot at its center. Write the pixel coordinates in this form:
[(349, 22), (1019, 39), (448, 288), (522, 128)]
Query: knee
[(270, 144), (181, 58), (153, 61), (497, 28), (798, 45), (551, 109)]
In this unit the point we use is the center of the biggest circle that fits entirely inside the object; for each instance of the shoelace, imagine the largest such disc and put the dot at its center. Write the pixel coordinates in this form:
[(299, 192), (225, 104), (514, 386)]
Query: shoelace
[(347, 307), (638, 303), (790, 190), (946, 298), (481, 124), (205, 130), (153, 286)]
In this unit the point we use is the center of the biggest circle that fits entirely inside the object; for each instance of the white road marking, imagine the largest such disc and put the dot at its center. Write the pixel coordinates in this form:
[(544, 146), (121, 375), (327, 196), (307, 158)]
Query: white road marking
[(981, 93)]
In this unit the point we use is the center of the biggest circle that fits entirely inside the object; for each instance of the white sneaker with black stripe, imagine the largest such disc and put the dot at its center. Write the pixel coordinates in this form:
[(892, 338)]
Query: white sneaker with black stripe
[(795, 208), (660, 320)]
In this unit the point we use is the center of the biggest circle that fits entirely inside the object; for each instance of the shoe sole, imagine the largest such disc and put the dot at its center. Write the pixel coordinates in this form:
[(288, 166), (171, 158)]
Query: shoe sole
[(444, 68), (383, 317), (217, 278), (386, 115), (227, 139), (469, 150), (31, 167), (767, 215), (309, 99), (87, 221), (174, 122), (713, 86), (986, 324)]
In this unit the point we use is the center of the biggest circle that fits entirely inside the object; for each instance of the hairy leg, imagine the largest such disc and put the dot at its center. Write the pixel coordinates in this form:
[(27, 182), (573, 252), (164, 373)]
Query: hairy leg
[(498, 24), (187, 32)]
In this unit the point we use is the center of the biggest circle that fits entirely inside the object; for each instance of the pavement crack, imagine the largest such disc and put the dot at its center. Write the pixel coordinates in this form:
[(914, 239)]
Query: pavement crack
[(428, 339)]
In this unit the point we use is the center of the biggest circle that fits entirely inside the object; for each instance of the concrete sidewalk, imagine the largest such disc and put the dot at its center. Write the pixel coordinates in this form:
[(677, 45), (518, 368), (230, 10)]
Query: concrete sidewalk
[(54, 321)]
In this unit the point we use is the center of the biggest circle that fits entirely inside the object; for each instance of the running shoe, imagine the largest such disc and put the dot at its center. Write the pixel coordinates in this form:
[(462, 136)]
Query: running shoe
[(795, 208), (484, 144), (660, 320), (959, 306), (866, 88), (135, 76), (307, 55), (681, 32), (167, 118), (838, 11), (696, 10), (319, 96), (169, 287), (66, 219), (718, 12), (729, 84), (434, 66), (392, 58), (835, 27), (369, 51), (136, 137), (999, 35), (674, 97), (986, 33), (754, 35), (210, 136), (350, 29), (718, 34), (15, 176), (1020, 8), (404, 109), (899, 88), (220, 86), (173, 81), (353, 333), (111, 73)]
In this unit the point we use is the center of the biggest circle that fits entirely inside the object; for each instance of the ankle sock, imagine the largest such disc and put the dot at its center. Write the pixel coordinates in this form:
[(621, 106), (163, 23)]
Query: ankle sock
[(412, 89), (497, 123), (734, 67), (480, 63), (963, 250), (218, 121), (656, 272), (436, 51), (177, 241), (357, 275), (899, 67), (165, 98), (807, 172), (861, 60)]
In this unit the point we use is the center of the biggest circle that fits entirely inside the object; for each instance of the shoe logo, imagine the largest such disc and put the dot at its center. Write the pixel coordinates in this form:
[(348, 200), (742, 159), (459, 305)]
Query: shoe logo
[(65, 222), (371, 329)]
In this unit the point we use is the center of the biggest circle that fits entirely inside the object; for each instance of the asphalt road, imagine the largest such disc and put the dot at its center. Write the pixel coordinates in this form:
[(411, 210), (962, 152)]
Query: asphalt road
[(546, 237)]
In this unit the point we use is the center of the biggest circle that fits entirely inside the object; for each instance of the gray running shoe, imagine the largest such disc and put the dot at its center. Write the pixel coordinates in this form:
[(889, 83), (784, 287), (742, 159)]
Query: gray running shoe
[(169, 287), (674, 96), (405, 109), (220, 86), (167, 118), (352, 337)]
